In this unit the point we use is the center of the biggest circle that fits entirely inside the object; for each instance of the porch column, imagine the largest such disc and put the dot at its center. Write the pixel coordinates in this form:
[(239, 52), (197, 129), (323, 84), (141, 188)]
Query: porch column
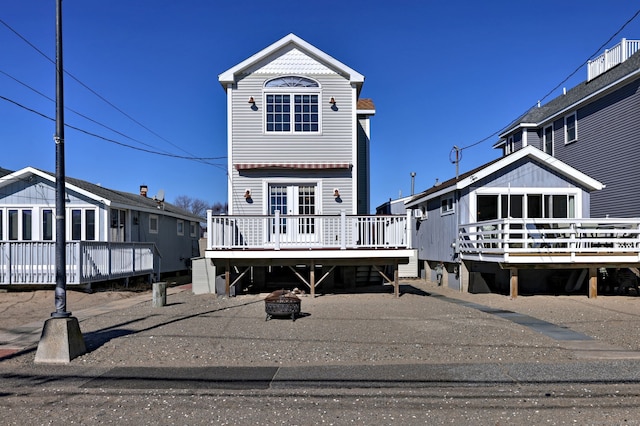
[(593, 283), (513, 282)]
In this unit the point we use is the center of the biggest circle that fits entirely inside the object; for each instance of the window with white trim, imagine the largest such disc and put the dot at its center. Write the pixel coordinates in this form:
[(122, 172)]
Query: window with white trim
[(153, 224), (83, 224), (446, 205), (547, 140), (292, 105), (180, 227), (193, 229), (570, 128), (47, 225)]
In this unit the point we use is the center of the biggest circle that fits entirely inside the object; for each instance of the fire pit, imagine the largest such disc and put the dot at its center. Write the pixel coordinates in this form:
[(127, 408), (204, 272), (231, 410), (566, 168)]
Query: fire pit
[(282, 303)]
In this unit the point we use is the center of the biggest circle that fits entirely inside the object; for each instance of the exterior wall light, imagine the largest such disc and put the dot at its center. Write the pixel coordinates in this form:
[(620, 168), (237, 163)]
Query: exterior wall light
[(332, 101), (252, 101), (336, 193), (247, 194)]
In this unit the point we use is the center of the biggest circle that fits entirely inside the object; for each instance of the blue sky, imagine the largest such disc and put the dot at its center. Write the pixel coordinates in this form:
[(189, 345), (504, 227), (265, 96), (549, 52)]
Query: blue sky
[(441, 73)]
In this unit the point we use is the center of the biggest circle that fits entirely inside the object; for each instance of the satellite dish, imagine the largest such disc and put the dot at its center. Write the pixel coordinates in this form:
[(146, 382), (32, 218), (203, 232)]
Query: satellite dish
[(160, 196)]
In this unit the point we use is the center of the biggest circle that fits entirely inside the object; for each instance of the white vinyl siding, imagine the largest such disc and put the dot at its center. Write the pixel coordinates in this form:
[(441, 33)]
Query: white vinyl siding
[(251, 144)]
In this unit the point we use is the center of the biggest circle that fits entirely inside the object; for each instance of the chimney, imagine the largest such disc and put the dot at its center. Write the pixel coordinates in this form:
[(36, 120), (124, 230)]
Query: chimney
[(143, 190)]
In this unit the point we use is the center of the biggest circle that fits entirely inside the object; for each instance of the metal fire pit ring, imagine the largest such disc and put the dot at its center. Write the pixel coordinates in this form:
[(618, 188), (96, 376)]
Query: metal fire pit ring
[(282, 303)]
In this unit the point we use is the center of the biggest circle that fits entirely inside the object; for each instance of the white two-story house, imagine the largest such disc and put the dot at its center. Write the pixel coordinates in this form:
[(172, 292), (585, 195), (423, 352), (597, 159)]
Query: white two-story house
[(298, 170)]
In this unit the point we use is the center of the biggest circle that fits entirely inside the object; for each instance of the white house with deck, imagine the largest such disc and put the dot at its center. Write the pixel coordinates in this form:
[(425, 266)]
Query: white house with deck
[(298, 175), (110, 234)]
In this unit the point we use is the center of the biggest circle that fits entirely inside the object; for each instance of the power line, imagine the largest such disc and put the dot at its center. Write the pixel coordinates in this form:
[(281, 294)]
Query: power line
[(635, 15), (113, 140), (94, 92)]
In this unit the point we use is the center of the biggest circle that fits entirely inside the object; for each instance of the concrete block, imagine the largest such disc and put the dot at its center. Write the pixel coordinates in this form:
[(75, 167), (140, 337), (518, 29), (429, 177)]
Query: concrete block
[(60, 342)]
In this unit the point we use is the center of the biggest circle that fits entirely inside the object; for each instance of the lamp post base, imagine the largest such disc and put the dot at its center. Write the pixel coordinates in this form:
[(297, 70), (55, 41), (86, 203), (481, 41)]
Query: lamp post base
[(60, 342)]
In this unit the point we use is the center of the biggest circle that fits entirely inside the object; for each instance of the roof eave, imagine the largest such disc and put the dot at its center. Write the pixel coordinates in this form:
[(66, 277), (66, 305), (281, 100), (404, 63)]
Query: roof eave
[(229, 76)]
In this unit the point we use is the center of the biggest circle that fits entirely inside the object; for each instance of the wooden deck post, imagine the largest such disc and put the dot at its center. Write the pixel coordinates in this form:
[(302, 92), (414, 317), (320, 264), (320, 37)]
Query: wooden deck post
[(513, 282), (593, 283), (396, 276), (227, 279), (312, 279)]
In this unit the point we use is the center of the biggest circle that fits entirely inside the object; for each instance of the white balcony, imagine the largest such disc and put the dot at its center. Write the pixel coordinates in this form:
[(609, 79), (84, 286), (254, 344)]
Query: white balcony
[(612, 57), (308, 232), (551, 241)]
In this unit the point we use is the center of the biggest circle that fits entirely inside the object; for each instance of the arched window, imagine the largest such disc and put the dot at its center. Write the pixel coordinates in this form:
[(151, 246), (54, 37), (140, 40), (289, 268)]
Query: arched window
[(291, 105), (291, 81)]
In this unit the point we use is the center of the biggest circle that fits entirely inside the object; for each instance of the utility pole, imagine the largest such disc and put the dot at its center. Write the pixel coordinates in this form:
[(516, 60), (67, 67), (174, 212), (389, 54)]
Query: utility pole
[(61, 339), (61, 258)]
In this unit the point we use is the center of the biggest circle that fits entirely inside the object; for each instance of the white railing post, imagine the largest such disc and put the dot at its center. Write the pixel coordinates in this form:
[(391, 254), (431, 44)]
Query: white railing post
[(277, 225), (409, 229), (209, 229), (343, 230)]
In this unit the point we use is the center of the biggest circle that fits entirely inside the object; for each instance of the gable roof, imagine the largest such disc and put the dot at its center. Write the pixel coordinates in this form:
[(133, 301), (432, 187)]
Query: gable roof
[(615, 77), (468, 178), (109, 197), (287, 42)]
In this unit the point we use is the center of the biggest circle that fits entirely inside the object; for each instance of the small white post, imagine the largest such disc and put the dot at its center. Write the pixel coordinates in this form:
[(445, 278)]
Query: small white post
[(343, 230), (277, 235), (409, 228), (209, 229)]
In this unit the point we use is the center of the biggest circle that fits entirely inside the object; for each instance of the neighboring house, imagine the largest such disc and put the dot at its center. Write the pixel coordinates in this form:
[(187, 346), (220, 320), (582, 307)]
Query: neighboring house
[(110, 234), (520, 223), (298, 170), (594, 127), (397, 207)]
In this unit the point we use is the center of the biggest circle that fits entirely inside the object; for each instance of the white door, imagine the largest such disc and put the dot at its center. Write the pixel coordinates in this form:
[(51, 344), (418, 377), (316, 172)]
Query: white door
[(296, 204)]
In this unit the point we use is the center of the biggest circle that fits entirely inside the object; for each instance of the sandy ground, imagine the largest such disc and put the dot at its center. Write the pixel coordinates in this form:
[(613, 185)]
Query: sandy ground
[(22, 307)]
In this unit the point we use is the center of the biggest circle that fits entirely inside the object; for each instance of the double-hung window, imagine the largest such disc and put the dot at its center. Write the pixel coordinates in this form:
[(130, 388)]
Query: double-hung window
[(292, 105), (570, 128), (446, 205), (547, 139)]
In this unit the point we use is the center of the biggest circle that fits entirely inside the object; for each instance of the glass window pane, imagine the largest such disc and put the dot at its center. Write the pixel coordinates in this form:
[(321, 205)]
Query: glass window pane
[(47, 225), (534, 206), (26, 224), (1, 230), (90, 225), (487, 207), (13, 224), (76, 225)]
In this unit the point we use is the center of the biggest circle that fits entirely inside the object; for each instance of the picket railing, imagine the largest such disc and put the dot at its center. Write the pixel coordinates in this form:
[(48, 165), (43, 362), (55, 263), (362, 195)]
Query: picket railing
[(278, 231), (34, 262)]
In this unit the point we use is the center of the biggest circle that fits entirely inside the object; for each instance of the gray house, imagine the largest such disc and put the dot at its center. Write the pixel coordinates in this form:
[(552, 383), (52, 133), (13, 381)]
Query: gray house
[(298, 173), (110, 234), (594, 127), (520, 223)]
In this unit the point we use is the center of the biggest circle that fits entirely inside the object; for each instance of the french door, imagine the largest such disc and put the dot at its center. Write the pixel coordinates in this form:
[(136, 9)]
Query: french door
[(296, 203)]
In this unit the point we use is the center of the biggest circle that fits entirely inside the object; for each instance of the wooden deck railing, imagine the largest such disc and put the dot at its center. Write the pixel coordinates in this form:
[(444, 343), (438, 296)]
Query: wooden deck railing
[(500, 240), (33, 262), (278, 231), (612, 57)]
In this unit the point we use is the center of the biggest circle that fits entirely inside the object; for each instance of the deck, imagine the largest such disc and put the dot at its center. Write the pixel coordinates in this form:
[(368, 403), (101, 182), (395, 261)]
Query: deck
[(552, 243), (33, 262), (310, 240)]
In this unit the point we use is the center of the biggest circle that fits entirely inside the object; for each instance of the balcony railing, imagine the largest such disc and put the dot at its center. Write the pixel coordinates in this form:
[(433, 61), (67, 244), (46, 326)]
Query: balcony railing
[(612, 57), (33, 262), (501, 240), (275, 232)]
